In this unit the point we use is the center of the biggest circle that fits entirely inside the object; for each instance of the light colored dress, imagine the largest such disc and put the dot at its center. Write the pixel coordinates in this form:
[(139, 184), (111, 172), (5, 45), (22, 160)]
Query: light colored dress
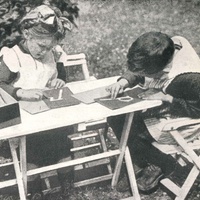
[(31, 73)]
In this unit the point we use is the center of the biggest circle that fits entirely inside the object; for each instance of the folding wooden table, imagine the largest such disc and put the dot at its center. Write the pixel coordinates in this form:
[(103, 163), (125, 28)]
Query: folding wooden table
[(66, 116)]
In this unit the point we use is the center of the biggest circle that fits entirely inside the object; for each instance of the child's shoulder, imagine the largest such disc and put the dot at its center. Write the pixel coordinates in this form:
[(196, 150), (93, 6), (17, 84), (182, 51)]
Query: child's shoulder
[(10, 58), (7, 51), (180, 40)]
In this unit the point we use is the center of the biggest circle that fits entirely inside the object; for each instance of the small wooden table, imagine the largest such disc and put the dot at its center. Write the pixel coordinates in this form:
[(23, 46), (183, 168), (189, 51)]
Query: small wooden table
[(66, 116)]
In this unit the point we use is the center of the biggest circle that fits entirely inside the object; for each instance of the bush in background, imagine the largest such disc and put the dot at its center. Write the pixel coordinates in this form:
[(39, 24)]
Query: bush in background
[(11, 12)]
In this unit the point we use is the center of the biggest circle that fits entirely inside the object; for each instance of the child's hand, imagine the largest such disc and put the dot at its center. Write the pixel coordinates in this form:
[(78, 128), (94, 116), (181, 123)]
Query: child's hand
[(56, 83), (158, 96), (117, 88), (30, 95)]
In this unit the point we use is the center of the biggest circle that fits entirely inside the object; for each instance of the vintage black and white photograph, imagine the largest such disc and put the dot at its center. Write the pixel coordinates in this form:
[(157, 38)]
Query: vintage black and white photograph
[(99, 100)]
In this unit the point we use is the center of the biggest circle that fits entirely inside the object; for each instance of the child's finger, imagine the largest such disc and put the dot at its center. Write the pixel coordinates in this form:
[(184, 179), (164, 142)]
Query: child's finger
[(49, 82), (53, 84), (59, 84), (38, 95), (115, 93)]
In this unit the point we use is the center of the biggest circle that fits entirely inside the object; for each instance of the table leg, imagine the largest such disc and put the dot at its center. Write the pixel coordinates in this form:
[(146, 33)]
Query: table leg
[(131, 174), (23, 161), (122, 147), (13, 148), (124, 153)]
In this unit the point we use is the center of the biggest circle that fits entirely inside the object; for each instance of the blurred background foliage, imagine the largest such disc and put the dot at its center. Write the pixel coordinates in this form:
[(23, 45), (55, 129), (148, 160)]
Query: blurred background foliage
[(105, 29), (12, 11)]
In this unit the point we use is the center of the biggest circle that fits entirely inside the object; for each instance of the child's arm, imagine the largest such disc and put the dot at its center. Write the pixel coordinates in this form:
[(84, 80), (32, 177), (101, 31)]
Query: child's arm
[(6, 77), (59, 54), (29, 94), (185, 90), (132, 78), (157, 96), (129, 79), (60, 57), (61, 71)]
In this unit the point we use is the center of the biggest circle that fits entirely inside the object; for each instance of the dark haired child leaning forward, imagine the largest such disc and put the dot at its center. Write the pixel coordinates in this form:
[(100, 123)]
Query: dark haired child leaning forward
[(171, 66)]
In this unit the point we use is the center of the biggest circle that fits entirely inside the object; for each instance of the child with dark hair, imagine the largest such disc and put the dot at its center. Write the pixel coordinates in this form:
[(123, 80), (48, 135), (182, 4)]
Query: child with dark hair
[(150, 53), (171, 66)]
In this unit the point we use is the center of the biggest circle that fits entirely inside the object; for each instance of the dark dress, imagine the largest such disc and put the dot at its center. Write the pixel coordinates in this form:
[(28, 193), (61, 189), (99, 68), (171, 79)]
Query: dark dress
[(185, 89)]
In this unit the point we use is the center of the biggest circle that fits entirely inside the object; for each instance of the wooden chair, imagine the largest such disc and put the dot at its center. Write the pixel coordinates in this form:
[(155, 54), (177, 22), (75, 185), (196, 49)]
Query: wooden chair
[(83, 131), (79, 60), (185, 149)]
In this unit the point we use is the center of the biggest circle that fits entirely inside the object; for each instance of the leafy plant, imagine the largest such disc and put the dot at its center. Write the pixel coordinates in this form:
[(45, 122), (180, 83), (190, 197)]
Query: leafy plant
[(12, 11)]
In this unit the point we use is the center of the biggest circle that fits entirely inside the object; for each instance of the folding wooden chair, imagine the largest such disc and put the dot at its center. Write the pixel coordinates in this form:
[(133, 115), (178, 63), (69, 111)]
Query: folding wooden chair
[(79, 60), (100, 126), (185, 149)]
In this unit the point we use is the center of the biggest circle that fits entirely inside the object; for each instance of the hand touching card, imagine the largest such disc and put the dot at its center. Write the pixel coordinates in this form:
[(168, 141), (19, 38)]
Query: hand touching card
[(148, 95)]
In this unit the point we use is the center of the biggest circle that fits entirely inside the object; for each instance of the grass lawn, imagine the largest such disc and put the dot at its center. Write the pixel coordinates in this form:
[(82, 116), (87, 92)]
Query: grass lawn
[(105, 31)]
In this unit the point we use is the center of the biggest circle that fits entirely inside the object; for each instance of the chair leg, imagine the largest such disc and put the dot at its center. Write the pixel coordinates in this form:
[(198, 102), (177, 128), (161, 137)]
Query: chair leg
[(188, 183), (195, 170), (104, 147), (101, 145), (184, 145)]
